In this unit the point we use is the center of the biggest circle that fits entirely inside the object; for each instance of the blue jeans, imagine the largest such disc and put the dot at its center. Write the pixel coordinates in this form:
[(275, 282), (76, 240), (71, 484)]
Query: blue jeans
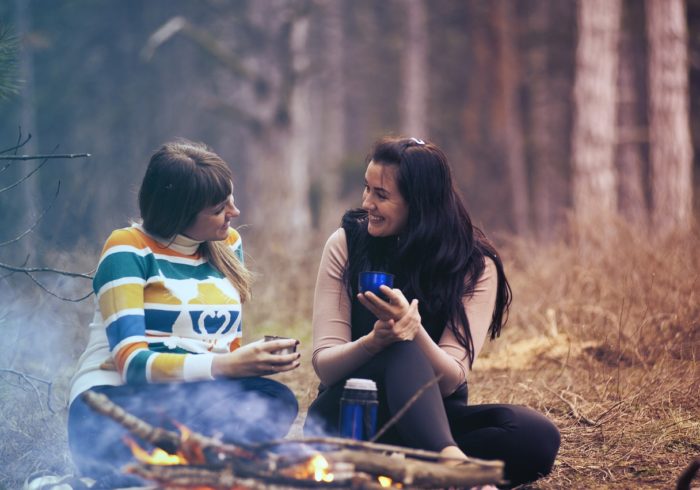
[(235, 410)]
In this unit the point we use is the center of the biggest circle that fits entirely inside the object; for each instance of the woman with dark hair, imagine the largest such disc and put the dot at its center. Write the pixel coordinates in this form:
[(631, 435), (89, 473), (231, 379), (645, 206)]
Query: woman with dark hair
[(450, 293), (165, 341)]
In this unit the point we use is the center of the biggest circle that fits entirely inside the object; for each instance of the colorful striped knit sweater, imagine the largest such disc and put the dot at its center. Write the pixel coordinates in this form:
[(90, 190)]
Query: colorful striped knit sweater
[(162, 312)]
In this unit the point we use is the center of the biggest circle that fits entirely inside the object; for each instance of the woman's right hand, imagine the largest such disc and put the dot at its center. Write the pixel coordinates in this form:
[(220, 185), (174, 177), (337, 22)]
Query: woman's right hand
[(256, 359)]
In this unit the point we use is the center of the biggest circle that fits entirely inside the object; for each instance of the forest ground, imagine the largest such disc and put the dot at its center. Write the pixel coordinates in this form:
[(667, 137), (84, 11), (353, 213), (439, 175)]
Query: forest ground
[(603, 337)]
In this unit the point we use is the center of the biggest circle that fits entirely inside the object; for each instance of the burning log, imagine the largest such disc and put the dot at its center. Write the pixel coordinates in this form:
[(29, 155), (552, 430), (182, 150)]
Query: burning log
[(212, 464)]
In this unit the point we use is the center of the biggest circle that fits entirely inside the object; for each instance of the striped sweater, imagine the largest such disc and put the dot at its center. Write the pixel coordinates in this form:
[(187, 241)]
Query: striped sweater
[(162, 312)]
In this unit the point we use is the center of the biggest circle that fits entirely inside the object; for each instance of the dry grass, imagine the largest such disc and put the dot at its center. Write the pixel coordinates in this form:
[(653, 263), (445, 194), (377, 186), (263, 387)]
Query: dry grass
[(604, 337)]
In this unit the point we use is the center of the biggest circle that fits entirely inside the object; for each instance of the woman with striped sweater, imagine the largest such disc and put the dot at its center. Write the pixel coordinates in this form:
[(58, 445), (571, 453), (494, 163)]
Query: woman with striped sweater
[(165, 340)]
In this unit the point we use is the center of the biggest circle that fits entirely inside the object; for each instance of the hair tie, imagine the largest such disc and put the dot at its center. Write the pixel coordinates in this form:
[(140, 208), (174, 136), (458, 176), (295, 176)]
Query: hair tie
[(417, 141)]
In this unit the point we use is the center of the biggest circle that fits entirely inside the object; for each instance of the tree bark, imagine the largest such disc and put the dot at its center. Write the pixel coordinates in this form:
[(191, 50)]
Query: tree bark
[(328, 170), (631, 124), (549, 82), (510, 117), (28, 210), (671, 148), (414, 87), (595, 97)]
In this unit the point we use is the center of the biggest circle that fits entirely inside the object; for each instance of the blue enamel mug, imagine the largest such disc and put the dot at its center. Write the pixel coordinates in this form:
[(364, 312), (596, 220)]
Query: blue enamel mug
[(371, 280)]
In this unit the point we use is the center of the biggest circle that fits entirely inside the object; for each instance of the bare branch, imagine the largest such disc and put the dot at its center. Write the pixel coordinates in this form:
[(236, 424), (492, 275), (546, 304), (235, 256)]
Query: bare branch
[(36, 222), (19, 144), (40, 157), (31, 270), (28, 378), (406, 406), (165, 32), (202, 39), (55, 295), (38, 167)]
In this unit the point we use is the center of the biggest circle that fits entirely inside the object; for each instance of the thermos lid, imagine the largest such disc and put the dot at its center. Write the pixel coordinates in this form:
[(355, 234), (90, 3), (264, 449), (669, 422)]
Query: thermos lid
[(360, 384)]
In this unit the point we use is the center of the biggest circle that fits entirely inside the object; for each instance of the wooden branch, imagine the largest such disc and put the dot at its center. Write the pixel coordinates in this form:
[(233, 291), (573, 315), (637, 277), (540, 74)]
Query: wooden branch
[(421, 474), (56, 295), (234, 462), (19, 144), (32, 270), (201, 38), (406, 406), (192, 448), (36, 222), (218, 477), (47, 157), (28, 378), (574, 412), (23, 179)]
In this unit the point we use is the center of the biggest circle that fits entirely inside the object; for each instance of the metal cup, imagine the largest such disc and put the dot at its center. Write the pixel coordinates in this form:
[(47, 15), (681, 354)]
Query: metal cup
[(371, 280), (286, 350)]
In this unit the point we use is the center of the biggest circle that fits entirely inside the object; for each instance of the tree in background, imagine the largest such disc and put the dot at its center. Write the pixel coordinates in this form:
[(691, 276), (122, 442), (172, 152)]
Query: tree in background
[(671, 147), (548, 45), (264, 85), (509, 117), (595, 98), (414, 70), (93, 92), (632, 134)]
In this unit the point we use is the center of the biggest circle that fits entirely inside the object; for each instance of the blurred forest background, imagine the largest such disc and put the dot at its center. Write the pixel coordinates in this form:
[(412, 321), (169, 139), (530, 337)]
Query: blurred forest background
[(572, 127)]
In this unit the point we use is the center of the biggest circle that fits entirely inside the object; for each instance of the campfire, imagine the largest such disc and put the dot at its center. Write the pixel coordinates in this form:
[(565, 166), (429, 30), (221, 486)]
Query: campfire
[(190, 460)]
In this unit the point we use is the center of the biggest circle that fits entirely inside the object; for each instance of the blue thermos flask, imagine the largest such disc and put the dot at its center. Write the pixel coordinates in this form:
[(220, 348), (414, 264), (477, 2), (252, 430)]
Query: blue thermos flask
[(358, 409)]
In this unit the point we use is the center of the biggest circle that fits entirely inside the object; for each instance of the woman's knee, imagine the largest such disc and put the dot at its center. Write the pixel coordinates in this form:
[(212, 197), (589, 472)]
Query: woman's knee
[(539, 440)]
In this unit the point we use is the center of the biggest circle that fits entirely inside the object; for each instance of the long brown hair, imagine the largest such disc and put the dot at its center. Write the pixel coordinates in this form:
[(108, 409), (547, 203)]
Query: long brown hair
[(440, 256), (183, 178)]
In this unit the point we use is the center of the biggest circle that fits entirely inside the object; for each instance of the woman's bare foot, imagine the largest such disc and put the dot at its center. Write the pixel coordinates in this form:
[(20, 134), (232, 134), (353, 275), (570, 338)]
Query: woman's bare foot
[(452, 455)]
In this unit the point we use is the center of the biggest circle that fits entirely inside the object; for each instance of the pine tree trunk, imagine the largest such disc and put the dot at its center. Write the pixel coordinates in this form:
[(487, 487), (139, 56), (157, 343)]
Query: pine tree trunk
[(595, 97), (510, 117), (671, 149), (333, 90), (414, 89), (549, 87), (631, 131), (31, 198)]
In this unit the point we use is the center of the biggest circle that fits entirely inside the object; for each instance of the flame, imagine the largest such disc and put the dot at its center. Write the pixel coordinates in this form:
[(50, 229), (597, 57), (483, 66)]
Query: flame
[(387, 482), (319, 466), (157, 456)]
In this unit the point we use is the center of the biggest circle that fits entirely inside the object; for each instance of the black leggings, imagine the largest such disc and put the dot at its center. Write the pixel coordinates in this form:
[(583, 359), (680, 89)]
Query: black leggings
[(526, 441)]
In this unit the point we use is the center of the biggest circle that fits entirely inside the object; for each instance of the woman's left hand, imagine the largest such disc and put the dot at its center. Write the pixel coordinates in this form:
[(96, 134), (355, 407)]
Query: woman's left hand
[(394, 309), (387, 332)]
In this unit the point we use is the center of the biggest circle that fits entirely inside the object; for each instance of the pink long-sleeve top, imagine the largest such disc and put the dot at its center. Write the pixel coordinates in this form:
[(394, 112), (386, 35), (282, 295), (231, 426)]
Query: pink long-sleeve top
[(335, 355)]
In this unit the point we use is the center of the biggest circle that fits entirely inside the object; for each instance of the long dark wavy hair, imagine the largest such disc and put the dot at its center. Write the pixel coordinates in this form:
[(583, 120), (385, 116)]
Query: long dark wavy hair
[(440, 255)]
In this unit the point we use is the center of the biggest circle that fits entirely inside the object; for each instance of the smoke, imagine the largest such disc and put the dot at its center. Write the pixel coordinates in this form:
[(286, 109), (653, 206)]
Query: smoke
[(42, 337)]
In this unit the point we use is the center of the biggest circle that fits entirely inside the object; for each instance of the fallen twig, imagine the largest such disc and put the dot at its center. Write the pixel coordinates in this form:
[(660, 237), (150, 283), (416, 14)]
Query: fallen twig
[(27, 378), (574, 412), (406, 406)]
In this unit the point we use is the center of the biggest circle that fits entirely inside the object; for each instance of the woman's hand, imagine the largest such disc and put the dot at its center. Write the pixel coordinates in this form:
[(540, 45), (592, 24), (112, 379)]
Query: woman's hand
[(387, 332), (394, 309), (256, 359)]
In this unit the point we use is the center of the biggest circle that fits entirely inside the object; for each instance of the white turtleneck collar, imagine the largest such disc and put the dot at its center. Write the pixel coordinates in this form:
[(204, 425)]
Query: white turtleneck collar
[(181, 243)]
